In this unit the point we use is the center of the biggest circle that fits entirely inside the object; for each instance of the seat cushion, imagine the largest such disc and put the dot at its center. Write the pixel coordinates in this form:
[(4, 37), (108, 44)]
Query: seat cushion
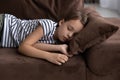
[(14, 66)]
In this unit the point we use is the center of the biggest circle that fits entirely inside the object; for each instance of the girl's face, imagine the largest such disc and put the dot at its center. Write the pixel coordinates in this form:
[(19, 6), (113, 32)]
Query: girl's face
[(66, 30)]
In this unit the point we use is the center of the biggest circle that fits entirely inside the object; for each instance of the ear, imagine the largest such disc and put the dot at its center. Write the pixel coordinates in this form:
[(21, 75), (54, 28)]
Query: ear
[(61, 22)]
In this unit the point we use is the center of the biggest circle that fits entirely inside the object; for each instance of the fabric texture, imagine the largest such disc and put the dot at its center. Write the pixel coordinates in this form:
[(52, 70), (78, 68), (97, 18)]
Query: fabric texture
[(32, 9), (14, 66), (1, 26), (97, 30), (104, 59), (16, 30), (1, 22)]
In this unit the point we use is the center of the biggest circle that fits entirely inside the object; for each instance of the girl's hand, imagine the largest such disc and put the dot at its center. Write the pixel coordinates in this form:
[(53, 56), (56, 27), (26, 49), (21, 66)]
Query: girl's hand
[(63, 49), (57, 58)]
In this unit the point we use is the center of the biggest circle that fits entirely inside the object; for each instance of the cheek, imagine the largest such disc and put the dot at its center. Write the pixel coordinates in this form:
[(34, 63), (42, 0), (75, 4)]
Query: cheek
[(62, 31)]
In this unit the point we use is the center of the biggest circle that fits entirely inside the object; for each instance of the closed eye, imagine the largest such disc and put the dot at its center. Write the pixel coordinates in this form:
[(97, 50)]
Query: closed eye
[(70, 28)]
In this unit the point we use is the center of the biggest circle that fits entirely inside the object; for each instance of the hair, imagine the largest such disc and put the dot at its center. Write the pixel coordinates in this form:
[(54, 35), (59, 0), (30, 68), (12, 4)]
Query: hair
[(77, 14)]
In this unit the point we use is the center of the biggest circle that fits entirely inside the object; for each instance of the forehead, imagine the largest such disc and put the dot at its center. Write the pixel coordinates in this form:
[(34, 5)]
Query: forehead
[(76, 24)]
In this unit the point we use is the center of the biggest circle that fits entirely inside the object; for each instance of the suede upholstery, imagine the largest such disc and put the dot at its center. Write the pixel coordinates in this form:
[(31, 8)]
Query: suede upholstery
[(14, 66), (104, 59), (89, 66), (96, 30), (31, 9)]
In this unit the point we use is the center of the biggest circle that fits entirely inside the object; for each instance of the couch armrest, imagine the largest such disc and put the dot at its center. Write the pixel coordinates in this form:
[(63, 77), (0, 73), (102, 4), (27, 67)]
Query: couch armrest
[(104, 58)]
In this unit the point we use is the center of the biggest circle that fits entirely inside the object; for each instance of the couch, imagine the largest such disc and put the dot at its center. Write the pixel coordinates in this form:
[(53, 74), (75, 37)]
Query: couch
[(100, 62)]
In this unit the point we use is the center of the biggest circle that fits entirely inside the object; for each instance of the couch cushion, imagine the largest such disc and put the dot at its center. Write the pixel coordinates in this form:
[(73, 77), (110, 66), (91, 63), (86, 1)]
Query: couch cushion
[(96, 30), (31, 9), (14, 66)]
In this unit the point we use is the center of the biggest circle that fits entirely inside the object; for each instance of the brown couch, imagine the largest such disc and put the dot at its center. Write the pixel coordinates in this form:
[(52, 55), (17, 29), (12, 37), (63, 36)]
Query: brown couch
[(101, 62)]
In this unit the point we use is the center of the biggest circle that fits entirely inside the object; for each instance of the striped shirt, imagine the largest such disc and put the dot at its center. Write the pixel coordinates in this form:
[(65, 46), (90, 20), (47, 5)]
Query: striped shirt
[(16, 30)]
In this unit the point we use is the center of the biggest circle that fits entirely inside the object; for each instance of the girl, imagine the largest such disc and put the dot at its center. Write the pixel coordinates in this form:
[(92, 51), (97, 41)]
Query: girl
[(39, 38)]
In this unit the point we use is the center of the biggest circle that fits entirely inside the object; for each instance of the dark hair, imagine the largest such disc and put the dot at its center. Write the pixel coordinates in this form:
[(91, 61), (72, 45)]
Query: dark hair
[(77, 14)]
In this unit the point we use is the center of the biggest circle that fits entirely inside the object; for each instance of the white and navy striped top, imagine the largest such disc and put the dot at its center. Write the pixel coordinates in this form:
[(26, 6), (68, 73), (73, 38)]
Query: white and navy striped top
[(15, 30)]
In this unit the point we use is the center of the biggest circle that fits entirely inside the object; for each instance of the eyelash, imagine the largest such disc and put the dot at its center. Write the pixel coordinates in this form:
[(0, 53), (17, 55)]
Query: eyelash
[(69, 28)]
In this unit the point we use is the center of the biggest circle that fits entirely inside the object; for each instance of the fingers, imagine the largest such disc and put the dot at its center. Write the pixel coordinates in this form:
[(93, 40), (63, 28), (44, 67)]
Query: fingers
[(58, 63), (69, 55), (58, 59), (66, 53), (62, 58)]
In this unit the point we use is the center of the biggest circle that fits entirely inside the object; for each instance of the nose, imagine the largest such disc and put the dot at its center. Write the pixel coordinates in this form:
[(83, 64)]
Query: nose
[(70, 35)]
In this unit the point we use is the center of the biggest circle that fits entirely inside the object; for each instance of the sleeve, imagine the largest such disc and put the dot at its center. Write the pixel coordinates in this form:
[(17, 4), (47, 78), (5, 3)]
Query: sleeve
[(47, 25)]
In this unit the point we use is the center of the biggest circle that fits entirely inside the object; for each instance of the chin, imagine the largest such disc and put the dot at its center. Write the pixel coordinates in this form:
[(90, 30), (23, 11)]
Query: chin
[(61, 40)]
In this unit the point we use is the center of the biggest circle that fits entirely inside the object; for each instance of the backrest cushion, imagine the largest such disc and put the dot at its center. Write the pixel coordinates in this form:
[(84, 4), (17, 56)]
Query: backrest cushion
[(31, 9)]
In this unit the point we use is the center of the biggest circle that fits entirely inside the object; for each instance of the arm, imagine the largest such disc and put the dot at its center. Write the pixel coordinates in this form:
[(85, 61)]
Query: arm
[(49, 47), (27, 48)]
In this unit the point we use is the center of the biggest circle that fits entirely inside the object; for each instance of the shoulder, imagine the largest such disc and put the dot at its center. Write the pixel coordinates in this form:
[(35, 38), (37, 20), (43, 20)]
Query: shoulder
[(47, 25), (47, 21)]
